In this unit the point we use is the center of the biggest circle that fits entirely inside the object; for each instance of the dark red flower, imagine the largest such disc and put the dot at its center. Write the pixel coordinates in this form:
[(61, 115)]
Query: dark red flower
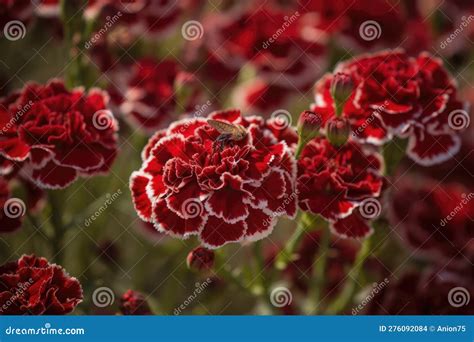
[(437, 221), (56, 135), (12, 209), (134, 303), (33, 286), (430, 292), (394, 94), (270, 39), (200, 258), (258, 96), (14, 10), (341, 185), (153, 92), (229, 193)]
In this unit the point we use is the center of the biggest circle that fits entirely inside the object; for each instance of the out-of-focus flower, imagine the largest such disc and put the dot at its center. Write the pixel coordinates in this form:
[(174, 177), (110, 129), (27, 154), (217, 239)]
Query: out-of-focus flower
[(272, 40), (341, 184), (432, 292), (341, 89), (56, 135), (17, 10), (395, 94), (228, 193), (134, 303), (200, 259), (33, 286), (154, 92), (437, 221)]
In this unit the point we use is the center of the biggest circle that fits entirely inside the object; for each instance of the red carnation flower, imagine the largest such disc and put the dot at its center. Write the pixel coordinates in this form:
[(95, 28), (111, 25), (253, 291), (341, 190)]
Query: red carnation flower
[(394, 94), (271, 39), (17, 10), (430, 292), (200, 258), (437, 221), (334, 182), (151, 99), (134, 303), (33, 286), (230, 192), (56, 135)]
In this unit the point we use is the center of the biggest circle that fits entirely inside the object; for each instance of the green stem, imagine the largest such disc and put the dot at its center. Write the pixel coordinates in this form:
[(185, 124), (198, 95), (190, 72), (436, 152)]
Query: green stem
[(263, 287), (288, 253), (354, 276), (319, 270), (59, 228)]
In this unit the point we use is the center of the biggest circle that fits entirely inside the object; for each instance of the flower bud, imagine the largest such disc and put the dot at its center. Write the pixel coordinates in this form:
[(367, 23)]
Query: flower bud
[(134, 303), (341, 89), (338, 131), (200, 258), (309, 124)]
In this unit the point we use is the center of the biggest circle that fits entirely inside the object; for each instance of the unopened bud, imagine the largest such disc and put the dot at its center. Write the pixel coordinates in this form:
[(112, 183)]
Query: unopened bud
[(309, 124), (134, 303), (338, 131), (341, 90), (200, 258)]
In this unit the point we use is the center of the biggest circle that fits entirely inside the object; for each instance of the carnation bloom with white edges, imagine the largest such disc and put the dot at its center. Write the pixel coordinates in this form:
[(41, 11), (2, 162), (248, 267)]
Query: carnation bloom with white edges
[(188, 185)]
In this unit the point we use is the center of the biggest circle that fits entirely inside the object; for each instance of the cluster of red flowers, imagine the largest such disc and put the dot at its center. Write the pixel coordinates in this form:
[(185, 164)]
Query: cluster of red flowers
[(33, 286)]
